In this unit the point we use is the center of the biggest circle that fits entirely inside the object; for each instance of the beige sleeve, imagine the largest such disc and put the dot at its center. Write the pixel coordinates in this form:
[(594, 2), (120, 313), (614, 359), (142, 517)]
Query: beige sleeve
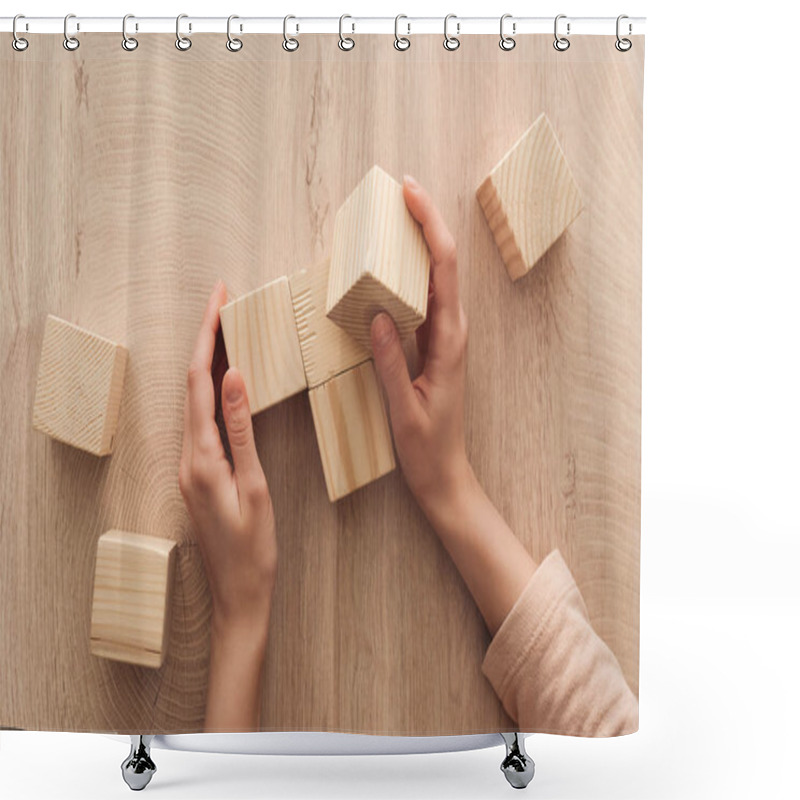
[(551, 671)]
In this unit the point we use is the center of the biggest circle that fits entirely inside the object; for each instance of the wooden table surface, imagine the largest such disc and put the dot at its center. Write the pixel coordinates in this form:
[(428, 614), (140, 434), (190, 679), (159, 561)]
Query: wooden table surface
[(130, 181)]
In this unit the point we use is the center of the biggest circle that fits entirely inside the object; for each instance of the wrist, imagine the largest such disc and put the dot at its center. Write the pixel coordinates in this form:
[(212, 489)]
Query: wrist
[(447, 504), (242, 637)]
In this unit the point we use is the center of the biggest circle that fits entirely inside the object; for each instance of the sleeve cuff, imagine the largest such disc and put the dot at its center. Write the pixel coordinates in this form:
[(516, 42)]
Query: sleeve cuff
[(528, 619)]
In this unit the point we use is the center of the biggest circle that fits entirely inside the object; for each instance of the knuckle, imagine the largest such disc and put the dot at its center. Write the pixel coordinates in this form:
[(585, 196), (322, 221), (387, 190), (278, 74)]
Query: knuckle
[(199, 476), (205, 444), (258, 490)]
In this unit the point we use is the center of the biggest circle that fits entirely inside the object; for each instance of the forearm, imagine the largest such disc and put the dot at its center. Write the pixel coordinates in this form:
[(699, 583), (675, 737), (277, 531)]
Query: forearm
[(234, 678), (493, 562)]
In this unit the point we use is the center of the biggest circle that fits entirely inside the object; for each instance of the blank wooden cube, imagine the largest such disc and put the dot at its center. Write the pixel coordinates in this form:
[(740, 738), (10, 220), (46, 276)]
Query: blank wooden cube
[(530, 198), (379, 260), (327, 349), (130, 605), (353, 434), (79, 387), (261, 342)]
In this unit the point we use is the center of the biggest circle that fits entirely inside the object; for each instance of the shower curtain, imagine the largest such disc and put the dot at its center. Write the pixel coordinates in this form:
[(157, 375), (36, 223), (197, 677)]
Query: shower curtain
[(131, 181)]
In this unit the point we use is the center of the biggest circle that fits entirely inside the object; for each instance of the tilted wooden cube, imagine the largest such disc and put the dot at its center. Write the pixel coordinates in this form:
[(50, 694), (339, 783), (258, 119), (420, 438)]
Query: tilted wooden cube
[(261, 342), (530, 198), (379, 260), (131, 601), (79, 387), (353, 434), (327, 349)]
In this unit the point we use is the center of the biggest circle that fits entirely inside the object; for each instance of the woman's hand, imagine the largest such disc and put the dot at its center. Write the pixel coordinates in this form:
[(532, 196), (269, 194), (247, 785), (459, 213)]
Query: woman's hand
[(235, 529), (428, 424), (428, 413)]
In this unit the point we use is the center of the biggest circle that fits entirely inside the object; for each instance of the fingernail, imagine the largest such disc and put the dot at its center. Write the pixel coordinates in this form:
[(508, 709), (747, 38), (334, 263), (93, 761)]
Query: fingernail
[(382, 329), (218, 284), (233, 393), (410, 182)]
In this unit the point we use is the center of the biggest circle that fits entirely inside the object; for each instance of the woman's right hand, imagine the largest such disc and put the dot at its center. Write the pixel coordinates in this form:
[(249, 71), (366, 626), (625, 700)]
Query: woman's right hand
[(427, 414), (427, 417)]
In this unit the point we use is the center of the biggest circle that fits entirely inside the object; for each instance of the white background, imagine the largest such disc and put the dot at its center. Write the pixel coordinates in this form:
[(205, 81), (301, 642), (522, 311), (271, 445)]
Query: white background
[(720, 614)]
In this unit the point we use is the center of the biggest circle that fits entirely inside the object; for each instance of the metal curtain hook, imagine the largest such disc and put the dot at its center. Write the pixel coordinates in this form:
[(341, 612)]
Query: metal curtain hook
[(401, 42), (623, 45), (233, 44), (561, 43), (507, 42), (182, 42), (290, 44), (18, 43), (70, 42), (345, 42), (451, 42), (128, 42)]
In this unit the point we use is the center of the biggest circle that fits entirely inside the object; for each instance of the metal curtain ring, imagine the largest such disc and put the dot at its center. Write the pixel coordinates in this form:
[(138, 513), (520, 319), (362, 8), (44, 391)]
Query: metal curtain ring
[(70, 42), (290, 44), (182, 42), (401, 42), (18, 43), (561, 43), (507, 42), (451, 42), (345, 42), (233, 44), (128, 42), (623, 45)]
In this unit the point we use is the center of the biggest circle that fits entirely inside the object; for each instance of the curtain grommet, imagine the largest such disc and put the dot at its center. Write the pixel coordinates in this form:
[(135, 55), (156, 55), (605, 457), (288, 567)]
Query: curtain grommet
[(70, 43), (561, 43), (346, 43), (233, 44), (507, 43), (451, 43), (401, 43), (17, 42), (290, 44), (183, 43), (129, 43)]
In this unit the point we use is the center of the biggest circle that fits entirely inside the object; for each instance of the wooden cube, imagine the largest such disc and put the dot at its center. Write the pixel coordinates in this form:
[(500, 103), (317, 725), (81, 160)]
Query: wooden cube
[(379, 260), (130, 605), (353, 434), (261, 341), (530, 198), (79, 387), (327, 349)]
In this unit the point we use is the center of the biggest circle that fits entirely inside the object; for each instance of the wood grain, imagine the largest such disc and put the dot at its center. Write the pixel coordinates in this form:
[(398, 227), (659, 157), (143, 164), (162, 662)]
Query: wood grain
[(327, 349), (79, 387), (131, 598), (261, 341), (129, 182), (530, 198), (355, 443), (379, 260)]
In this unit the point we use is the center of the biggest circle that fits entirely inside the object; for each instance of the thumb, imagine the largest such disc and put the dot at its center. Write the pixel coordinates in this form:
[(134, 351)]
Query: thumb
[(239, 425), (390, 361)]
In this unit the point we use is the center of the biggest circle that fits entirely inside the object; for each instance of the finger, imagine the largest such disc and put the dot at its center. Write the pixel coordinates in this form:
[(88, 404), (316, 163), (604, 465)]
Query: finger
[(239, 425), (390, 362), (444, 269), (200, 390)]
